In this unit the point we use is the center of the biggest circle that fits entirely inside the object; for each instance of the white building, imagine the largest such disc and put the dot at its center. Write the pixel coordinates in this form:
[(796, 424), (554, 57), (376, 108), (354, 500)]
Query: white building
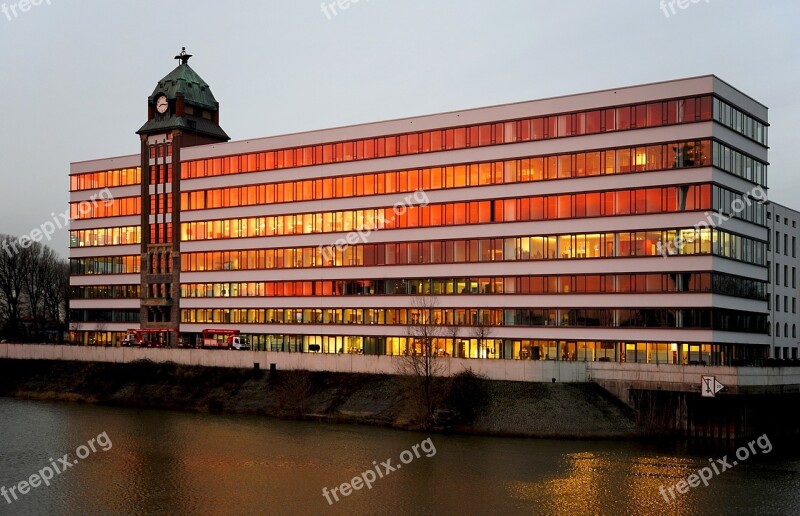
[(545, 221), (783, 265)]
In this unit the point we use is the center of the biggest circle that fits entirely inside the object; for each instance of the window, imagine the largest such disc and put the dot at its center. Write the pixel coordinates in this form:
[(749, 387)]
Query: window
[(777, 239), (593, 122), (623, 118)]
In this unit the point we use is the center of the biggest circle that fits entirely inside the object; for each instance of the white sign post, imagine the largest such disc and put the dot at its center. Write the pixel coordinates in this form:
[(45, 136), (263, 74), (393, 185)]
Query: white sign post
[(709, 387)]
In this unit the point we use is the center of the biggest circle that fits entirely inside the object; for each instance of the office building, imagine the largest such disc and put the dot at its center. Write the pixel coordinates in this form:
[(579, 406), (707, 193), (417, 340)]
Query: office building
[(621, 225), (782, 263)]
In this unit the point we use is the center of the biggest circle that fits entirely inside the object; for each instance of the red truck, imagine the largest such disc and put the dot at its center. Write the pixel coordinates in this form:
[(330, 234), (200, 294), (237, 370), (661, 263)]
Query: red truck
[(148, 338)]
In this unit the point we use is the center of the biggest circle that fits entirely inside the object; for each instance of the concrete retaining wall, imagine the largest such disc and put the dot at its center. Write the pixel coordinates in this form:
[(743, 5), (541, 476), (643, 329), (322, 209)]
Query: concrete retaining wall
[(660, 376), (510, 370), (620, 378), (615, 377)]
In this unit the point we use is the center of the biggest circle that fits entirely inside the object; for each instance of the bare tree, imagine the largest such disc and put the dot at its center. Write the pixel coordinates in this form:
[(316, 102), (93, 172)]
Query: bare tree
[(56, 299), (100, 329), (37, 282), (454, 333), (14, 271), (421, 361), (74, 327), (482, 331)]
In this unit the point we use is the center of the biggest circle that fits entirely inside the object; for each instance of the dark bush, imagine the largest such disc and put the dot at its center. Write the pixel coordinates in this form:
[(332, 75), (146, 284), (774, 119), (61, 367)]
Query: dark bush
[(467, 395), (294, 390)]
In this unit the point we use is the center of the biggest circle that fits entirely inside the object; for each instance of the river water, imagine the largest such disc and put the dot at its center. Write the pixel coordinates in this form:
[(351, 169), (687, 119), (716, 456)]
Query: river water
[(157, 462)]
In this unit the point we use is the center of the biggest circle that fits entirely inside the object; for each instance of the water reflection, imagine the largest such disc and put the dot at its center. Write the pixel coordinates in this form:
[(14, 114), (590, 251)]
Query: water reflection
[(595, 483), (174, 463)]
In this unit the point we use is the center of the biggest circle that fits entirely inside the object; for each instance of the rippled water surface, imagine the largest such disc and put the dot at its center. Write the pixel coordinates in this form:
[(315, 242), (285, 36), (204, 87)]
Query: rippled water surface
[(175, 463)]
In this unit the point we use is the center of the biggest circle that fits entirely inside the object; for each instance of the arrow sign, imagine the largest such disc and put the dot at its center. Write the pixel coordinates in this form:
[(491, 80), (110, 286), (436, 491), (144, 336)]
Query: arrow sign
[(710, 386), (717, 386)]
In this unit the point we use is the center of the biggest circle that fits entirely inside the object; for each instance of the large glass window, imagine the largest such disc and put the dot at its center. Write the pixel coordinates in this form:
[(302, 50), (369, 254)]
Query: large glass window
[(704, 241), (106, 179), (737, 120), (555, 126), (575, 284), (625, 202)]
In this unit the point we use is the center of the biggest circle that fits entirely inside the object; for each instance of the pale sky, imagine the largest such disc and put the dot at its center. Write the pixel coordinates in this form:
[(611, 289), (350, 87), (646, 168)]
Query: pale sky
[(75, 75)]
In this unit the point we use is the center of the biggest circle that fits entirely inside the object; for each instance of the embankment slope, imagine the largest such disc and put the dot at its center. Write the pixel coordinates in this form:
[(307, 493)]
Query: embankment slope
[(511, 408)]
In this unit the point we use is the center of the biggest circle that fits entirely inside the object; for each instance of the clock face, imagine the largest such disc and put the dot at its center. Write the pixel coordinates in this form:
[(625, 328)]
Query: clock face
[(162, 104)]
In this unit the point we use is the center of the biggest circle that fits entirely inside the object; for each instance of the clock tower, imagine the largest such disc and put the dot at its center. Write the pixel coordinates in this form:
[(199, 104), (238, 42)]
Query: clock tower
[(181, 112)]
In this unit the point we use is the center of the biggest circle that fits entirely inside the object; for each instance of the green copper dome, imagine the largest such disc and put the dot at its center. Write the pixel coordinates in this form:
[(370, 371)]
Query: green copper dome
[(183, 80), (200, 111)]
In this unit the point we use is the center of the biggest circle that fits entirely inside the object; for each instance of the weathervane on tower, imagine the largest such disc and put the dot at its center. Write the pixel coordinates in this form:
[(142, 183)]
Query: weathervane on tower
[(183, 56)]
